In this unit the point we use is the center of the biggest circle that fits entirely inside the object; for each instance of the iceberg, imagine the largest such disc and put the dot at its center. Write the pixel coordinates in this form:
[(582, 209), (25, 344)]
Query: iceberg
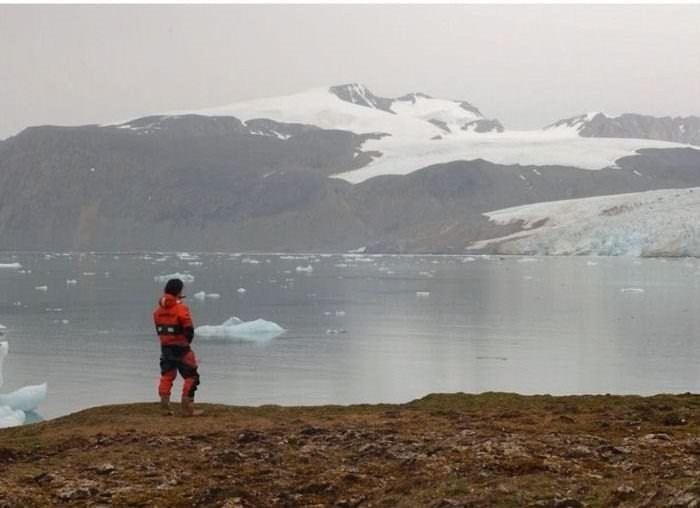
[(14, 405), (202, 295), (15, 266), (11, 417), (184, 277), (234, 328), (25, 399)]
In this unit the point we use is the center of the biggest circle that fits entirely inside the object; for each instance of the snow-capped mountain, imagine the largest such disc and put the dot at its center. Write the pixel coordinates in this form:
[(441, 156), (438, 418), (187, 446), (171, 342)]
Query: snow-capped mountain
[(652, 223), (599, 125), (408, 174), (413, 131)]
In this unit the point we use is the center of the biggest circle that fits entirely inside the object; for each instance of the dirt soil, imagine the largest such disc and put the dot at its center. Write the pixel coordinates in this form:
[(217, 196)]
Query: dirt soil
[(492, 449)]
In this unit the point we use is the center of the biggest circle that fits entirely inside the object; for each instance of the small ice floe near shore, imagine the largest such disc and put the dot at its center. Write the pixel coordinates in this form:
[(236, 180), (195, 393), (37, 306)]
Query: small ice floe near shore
[(250, 261), (235, 328), (14, 405), (307, 269), (632, 290), (11, 266), (203, 295), (241, 291), (41, 288), (184, 277)]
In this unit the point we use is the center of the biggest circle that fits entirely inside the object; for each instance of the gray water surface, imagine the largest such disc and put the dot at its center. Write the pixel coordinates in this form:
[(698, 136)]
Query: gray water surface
[(406, 326)]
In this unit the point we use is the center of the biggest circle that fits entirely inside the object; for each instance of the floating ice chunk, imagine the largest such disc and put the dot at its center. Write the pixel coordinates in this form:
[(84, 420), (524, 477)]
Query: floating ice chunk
[(591, 263), (336, 331), (54, 309), (15, 266), (468, 259), (202, 295), (88, 274), (11, 417), (422, 294), (527, 260), (307, 269), (195, 263), (71, 282), (184, 277), (632, 290), (426, 274), (25, 399), (234, 328), (41, 288), (240, 290), (250, 261), (339, 313), (303, 258), (186, 256), (341, 265)]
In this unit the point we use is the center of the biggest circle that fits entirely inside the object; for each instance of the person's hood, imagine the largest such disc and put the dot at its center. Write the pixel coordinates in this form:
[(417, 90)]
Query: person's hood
[(168, 300)]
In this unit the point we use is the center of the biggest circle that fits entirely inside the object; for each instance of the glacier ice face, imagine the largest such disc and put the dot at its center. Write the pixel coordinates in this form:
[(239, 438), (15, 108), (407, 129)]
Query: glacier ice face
[(234, 328), (651, 223)]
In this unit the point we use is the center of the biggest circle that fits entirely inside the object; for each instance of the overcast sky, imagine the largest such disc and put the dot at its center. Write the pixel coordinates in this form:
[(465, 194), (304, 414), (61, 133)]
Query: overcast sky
[(528, 66)]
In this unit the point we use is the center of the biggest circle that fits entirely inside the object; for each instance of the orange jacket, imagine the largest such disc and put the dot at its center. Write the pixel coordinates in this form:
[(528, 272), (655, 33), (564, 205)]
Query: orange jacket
[(173, 321)]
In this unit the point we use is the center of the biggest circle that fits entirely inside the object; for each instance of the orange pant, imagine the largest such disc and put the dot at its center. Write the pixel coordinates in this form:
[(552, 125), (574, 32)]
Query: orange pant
[(176, 359)]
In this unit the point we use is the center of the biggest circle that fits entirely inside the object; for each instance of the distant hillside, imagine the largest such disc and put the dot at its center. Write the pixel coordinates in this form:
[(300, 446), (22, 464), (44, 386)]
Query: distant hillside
[(328, 170)]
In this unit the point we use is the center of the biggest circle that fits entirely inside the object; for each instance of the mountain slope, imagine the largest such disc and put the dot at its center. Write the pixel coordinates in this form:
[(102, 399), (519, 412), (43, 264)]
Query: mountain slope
[(422, 176), (599, 125)]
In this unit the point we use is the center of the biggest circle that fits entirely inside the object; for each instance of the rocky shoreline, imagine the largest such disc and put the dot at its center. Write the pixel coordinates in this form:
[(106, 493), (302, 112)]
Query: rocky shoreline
[(492, 449)]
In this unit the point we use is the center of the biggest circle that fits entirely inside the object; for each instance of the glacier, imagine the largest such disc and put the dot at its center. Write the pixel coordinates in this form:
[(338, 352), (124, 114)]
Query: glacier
[(235, 328), (411, 138), (652, 223), (15, 405)]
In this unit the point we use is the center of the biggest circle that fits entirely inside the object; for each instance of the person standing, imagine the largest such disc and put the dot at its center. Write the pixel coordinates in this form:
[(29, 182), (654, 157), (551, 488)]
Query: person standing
[(175, 329)]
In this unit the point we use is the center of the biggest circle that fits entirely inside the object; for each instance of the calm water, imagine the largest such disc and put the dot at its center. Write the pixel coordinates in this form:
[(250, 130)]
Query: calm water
[(412, 326)]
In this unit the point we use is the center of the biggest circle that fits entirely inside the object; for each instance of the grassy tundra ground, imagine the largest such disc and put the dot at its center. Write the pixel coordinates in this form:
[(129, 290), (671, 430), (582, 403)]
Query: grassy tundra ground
[(492, 449)]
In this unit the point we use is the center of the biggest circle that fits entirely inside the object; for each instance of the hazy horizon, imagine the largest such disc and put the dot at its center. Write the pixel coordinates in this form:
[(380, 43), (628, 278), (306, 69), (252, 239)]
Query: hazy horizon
[(526, 65)]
